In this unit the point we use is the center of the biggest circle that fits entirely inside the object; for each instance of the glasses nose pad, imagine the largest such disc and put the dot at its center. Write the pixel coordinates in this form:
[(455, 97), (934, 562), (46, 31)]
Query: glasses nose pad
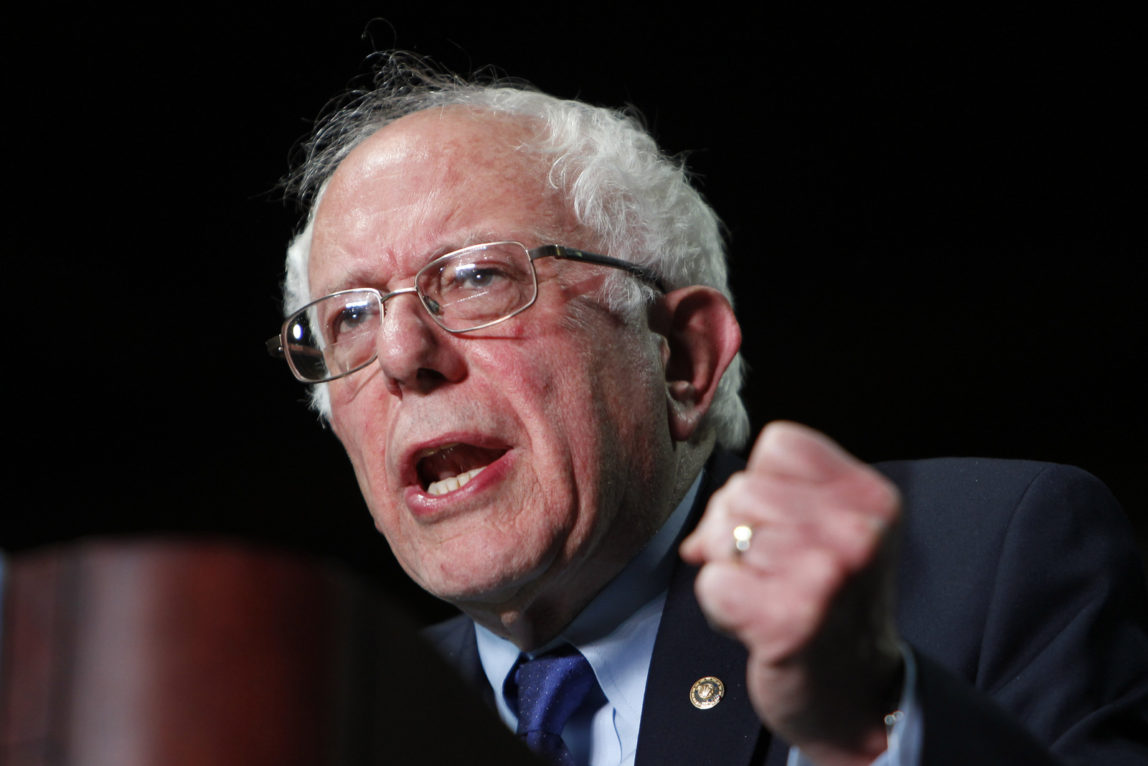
[(431, 305)]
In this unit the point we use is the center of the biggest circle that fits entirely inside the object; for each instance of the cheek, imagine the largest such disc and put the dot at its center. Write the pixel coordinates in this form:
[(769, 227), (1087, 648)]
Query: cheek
[(347, 425), (359, 432), (593, 409), (551, 390)]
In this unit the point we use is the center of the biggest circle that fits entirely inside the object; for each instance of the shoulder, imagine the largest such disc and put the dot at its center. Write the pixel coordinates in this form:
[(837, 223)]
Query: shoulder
[(964, 512), (982, 478), (984, 540), (977, 500), (1023, 579)]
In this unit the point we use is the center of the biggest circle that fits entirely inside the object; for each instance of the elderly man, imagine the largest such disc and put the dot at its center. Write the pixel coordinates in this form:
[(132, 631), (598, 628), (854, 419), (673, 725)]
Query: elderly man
[(515, 313)]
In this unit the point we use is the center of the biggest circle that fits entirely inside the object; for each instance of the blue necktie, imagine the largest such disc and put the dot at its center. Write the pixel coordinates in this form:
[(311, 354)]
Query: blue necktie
[(544, 692)]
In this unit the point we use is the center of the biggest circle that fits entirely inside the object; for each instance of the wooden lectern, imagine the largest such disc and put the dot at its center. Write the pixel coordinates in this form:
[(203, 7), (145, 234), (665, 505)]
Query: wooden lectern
[(208, 653)]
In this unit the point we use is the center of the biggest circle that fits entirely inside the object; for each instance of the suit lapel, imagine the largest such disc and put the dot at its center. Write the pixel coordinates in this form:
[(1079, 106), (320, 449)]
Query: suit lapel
[(456, 643), (673, 729)]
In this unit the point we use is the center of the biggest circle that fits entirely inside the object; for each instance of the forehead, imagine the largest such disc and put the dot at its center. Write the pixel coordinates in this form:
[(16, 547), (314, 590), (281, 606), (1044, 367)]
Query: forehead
[(430, 182)]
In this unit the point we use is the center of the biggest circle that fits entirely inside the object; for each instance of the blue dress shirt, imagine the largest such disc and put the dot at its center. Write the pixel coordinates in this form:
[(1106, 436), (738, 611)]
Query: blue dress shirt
[(616, 634)]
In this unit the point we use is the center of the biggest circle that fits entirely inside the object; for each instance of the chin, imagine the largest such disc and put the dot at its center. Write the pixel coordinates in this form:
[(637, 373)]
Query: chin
[(477, 575)]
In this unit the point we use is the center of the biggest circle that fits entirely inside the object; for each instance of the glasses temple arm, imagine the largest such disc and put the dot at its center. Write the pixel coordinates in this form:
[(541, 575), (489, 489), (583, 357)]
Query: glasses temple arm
[(571, 254)]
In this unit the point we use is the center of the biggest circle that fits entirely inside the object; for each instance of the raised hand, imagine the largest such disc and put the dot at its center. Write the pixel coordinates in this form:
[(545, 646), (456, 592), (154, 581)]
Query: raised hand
[(810, 595)]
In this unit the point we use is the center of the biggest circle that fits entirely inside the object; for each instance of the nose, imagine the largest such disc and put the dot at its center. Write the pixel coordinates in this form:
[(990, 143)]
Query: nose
[(415, 354)]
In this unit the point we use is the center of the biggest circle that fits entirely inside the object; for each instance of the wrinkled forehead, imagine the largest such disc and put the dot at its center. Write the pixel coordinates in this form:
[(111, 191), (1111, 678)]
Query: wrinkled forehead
[(435, 179)]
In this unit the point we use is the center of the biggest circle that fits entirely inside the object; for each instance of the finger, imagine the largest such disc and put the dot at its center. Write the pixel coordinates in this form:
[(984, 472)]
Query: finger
[(771, 614), (745, 499), (853, 541), (784, 515), (795, 451), (699, 545)]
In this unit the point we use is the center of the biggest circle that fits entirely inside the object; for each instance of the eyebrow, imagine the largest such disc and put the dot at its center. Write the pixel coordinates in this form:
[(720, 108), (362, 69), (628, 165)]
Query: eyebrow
[(363, 276), (357, 277)]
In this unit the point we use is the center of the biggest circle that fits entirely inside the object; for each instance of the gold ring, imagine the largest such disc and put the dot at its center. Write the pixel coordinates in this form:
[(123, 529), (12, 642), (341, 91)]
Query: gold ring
[(742, 537)]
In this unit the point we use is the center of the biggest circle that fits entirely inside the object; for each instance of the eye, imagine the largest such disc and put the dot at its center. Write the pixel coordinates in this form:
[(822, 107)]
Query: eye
[(476, 276), (352, 319)]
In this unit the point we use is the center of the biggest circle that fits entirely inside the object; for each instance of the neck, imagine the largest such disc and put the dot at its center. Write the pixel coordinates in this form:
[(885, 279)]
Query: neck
[(532, 620)]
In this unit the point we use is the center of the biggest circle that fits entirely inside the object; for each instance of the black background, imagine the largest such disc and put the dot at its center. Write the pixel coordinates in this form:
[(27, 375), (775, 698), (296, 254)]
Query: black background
[(936, 229)]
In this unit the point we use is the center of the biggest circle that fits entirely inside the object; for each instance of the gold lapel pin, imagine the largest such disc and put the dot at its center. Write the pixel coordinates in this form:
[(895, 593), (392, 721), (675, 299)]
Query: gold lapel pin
[(706, 692)]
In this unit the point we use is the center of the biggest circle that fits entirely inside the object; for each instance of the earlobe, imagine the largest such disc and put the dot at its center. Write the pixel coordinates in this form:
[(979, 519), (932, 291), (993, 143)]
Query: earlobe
[(702, 337)]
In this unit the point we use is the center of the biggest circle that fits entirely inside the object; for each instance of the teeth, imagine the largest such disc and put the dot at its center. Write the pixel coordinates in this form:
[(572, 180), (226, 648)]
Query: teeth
[(451, 483)]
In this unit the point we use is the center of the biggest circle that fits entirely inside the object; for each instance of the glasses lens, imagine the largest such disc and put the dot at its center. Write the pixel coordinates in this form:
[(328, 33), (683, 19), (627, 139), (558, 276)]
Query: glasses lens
[(334, 335), (479, 285)]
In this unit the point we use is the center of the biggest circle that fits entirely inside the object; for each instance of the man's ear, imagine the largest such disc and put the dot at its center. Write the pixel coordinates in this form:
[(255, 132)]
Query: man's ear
[(702, 337)]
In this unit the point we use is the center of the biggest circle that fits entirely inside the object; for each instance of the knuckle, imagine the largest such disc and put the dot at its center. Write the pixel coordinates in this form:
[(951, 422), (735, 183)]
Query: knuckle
[(858, 541), (876, 495)]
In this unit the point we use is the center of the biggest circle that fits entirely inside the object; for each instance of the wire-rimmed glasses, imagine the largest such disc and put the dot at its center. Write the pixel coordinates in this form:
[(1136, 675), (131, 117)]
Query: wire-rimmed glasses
[(462, 291)]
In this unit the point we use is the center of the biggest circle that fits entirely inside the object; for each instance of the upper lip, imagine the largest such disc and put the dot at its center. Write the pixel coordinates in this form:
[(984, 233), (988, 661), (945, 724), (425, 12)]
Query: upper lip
[(408, 463)]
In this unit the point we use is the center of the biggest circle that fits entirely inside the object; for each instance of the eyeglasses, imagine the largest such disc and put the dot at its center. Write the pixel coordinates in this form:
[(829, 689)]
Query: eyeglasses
[(462, 291)]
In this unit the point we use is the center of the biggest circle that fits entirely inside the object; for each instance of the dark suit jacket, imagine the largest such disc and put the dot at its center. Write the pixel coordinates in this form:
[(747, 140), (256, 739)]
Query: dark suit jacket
[(1020, 593)]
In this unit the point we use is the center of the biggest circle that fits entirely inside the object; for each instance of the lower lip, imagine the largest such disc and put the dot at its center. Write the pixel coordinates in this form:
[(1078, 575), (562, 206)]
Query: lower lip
[(426, 506)]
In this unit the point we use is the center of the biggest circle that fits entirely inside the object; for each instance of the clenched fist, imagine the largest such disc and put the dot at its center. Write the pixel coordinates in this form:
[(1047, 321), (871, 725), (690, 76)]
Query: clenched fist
[(810, 594)]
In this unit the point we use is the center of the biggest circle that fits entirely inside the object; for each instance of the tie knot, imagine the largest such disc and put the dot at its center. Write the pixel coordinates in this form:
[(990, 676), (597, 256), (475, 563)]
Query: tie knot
[(545, 691)]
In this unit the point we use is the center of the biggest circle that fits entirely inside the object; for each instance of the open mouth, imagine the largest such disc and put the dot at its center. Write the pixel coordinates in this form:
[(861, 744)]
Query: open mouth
[(445, 469)]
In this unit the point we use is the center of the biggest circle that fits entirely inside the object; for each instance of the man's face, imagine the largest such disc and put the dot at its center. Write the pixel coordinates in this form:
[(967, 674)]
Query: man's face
[(563, 407)]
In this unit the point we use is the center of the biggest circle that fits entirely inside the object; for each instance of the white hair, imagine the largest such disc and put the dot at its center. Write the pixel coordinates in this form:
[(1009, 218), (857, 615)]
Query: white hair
[(618, 183)]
